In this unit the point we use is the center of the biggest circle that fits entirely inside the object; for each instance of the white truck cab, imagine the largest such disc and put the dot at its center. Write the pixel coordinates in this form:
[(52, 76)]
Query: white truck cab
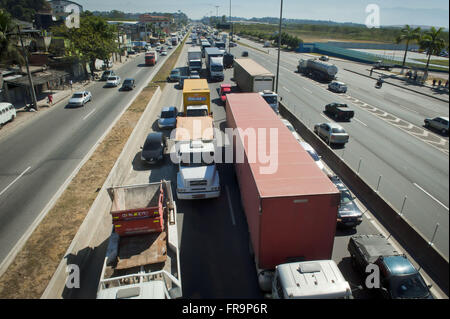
[(272, 99), (198, 177), (197, 110), (319, 279)]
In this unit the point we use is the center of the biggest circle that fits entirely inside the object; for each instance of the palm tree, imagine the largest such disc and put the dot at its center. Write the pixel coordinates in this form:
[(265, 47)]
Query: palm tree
[(408, 34), (8, 43), (432, 43)]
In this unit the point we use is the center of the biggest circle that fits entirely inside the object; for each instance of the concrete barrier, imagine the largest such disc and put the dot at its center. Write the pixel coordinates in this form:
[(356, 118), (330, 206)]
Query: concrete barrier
[(96, 227), (430, 259)]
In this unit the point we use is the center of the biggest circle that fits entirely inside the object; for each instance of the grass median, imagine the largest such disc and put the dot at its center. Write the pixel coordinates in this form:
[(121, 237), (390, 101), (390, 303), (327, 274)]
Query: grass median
[(33, 267)]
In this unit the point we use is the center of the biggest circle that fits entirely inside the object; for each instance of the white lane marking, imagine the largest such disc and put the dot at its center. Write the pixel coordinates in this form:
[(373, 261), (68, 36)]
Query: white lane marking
[(231, 206), (360, 121), (307, 90), (286, 89), (88, 114), (325, 117), (15, 180), (430, 196)]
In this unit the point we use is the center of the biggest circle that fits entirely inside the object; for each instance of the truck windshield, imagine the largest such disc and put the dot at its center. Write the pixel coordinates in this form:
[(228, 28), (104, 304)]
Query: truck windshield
[(216, 68), (197, 113), (195, 63), (411, 286), (270, 99), (196, 159), (346, 198)]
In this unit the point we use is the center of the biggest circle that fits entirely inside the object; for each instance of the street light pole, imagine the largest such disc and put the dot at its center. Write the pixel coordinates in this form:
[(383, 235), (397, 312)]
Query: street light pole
[(33, 93), (279, 46), (231, 31)]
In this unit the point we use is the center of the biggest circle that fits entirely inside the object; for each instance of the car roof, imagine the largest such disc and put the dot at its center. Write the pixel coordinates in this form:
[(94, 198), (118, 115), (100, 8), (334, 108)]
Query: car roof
[(443, 117), (225, 85), (338, 183), (333, 125), (306, 146), (129, 79)]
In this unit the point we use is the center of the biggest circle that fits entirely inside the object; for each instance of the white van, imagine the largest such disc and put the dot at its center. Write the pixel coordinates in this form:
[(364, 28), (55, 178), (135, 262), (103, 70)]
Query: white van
[(7, 113)]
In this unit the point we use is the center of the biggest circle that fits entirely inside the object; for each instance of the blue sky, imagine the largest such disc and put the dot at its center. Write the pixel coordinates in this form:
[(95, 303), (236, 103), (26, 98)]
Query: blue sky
[(392, 12)]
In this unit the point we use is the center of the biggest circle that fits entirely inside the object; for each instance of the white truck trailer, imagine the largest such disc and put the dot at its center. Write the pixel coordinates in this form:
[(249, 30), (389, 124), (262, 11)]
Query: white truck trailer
[(252, 77), (194, 61)]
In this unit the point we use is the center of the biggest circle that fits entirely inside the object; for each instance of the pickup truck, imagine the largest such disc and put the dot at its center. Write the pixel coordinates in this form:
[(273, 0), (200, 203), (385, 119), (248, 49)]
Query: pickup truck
[(339, 111), (382, 66), (398, 278)]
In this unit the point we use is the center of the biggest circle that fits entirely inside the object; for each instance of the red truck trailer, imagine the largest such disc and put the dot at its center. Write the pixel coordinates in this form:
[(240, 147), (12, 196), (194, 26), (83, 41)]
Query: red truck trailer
[(291, 213)]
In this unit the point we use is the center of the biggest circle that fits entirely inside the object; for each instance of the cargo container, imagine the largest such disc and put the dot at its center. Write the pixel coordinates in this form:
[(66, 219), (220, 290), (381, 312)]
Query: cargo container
[(196, 93), (291, 212)]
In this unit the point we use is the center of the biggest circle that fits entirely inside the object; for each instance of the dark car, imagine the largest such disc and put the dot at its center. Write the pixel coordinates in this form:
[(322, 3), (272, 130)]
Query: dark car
[(339, 111), (349, 215), (168, 117), (128, 84), (228, 60), (245, 53), (153, 149)]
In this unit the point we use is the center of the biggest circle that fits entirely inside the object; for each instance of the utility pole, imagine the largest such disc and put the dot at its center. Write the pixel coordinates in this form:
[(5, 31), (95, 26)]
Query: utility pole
[(279, 46), (118, 41), (231, 31), (33, 93)]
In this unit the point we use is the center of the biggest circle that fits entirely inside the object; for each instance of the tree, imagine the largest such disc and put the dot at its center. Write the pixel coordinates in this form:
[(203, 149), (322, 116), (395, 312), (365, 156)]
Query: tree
[(432, 43), (9, 52), (94, 39), (24, 9), (408, 34)]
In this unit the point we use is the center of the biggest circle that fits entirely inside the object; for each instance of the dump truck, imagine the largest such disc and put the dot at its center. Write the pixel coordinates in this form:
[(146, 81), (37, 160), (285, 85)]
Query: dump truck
[(151, 58), (252, 77), (291, 206), (142, 258), (319, 70), (398, 278), (197, 177), (196, 95)]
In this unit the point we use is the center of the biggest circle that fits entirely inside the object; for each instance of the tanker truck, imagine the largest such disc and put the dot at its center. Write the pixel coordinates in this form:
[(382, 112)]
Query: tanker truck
[(319, 70)]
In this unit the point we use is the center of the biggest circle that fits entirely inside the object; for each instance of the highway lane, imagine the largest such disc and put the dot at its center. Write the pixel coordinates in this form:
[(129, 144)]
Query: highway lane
[(50, 147), (213, 234), (408, 165)]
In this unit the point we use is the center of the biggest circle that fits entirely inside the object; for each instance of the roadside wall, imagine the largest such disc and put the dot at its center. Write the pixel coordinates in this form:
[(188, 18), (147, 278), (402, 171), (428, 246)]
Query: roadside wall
[(430, 259)]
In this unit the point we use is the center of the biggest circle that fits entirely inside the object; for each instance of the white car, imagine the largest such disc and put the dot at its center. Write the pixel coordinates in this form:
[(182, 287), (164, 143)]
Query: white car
[(113, 81), (80, 98), (163, 52), (291, 128), (313, 154), (338, 87), (170, 47)]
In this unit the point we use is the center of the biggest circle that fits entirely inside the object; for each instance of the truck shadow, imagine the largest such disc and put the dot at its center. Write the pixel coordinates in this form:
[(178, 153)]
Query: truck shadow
[(90, 260), (354, 278)]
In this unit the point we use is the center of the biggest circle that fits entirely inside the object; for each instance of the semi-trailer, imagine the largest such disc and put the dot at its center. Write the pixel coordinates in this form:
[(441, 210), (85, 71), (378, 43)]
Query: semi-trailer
[(142, 258), (252, 77), (290, 205), (320, 70)]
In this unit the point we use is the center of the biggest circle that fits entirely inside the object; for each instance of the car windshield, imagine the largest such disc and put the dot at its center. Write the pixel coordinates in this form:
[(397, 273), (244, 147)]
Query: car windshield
[(112, 78), (337, 130), (167, 114), (410, 286), (216, 68), (196, 159), (77, 96), (127, 82), (175, 72), (152, 144), (270, 99), (346, 197)]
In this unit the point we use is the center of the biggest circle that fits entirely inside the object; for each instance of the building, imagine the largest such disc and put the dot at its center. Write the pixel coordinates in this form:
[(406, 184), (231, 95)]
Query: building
[(59, 7), (158, 21)]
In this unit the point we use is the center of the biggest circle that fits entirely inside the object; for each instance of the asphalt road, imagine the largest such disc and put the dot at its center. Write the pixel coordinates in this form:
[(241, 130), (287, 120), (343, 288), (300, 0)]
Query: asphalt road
[(386, 137), (38, 158), (213, 234)]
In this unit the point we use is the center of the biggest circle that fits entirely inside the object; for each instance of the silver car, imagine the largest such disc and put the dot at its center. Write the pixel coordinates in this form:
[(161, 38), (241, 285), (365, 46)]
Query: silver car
[(332, 133), (338, 87), (439, 123), (80, 98)]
